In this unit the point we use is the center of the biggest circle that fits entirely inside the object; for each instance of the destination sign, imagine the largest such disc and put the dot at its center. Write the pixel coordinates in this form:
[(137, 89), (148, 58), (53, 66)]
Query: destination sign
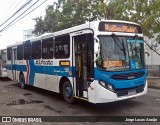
[(107, 64), (119, 27)]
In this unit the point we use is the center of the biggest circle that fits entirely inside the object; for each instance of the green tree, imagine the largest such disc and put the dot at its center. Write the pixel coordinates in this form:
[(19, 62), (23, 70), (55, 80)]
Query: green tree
[(51, 19), (144, 12), (68, 13), (40, 26)]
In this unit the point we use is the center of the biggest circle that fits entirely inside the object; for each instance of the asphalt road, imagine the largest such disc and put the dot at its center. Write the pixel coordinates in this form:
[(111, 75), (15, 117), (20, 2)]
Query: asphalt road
[(15, 101)]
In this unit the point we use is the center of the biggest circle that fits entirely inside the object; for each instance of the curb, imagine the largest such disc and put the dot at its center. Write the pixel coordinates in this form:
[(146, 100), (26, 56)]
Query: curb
[(154, 87), (153, 82), (153, 77)]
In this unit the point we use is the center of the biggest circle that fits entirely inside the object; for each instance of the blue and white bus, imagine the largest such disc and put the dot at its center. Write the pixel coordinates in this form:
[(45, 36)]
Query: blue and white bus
[(3, 63), (100, 62)]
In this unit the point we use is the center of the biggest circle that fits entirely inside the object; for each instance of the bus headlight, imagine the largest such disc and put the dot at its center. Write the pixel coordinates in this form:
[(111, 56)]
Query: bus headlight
[(110, 87), (102, 83), (106, 85)]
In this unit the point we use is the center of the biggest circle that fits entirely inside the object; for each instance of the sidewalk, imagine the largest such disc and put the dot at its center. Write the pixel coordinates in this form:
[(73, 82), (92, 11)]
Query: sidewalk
[(154, 82)]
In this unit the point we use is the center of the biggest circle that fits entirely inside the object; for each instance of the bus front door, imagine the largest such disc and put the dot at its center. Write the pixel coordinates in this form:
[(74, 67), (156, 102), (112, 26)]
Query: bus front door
[(83, 63), (13, 62)]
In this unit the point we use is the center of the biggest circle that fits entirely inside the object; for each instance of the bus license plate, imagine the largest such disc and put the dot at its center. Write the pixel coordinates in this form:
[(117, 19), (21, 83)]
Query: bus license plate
[(131, 92)]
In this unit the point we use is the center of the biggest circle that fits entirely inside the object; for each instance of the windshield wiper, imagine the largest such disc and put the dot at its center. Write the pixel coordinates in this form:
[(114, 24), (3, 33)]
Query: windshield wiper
[(124, 52), (135, 37), (116, 39)]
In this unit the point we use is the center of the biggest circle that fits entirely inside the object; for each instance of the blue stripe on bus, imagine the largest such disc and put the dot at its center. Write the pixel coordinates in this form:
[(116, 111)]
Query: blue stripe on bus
[(64, 71), (17, 67), (31, 72), (49, 70)]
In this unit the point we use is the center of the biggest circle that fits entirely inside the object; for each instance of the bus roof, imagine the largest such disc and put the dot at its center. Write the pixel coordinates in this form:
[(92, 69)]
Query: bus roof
[(89, 25)]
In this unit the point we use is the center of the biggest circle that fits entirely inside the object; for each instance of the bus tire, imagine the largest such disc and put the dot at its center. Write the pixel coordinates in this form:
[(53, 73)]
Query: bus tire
[(22, 81), (67, 92)]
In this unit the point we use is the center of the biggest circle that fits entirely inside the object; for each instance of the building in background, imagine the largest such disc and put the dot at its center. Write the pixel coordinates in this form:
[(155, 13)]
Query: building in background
[(152, 58), (28, 33)]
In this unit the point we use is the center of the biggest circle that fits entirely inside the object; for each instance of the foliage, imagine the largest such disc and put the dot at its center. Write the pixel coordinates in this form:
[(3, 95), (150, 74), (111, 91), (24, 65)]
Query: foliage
[(68, 13), (144, 12), (39, 27)]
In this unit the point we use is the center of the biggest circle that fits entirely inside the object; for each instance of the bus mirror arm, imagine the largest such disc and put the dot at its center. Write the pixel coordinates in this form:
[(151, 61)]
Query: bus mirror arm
[(96, 47), (96, 58)]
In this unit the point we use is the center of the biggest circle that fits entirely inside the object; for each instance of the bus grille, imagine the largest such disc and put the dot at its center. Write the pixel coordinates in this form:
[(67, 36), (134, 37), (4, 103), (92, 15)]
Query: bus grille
[(125, 92), (128, 76)]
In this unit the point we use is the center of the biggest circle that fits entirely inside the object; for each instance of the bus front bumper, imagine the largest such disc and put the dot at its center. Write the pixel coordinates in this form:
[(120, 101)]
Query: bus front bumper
[(104, 95)]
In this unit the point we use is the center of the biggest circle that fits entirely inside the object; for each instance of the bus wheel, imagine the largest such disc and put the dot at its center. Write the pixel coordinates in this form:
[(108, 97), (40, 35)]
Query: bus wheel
[(22, 81), (68, 92)]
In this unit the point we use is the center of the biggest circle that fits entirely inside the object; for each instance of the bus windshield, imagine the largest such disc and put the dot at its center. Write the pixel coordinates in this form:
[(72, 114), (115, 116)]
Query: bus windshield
[(120, 53)]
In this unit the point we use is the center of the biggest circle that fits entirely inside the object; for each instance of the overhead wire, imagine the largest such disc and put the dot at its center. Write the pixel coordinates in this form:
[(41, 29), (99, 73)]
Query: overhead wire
[(8, 8), (9, 12), (14, 21), (29, 12), (23, 6), (3, 10)]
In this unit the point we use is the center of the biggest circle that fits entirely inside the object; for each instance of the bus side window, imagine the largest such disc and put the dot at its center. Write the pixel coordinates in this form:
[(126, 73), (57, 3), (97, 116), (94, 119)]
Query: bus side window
[(20, 52), (9, 53), (36, 50), (27, 51), (62, 47), (47, 48)]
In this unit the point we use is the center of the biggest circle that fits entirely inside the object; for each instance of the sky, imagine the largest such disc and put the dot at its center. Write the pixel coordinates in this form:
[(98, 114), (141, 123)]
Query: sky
[(15, 33)]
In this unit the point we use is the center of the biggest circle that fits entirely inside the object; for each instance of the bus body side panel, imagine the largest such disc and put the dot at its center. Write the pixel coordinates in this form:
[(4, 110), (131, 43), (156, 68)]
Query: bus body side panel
[(43, 76), (52, 83), (51, 77), (3, 70), (9, 70), (31, 77), (40, 81)]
